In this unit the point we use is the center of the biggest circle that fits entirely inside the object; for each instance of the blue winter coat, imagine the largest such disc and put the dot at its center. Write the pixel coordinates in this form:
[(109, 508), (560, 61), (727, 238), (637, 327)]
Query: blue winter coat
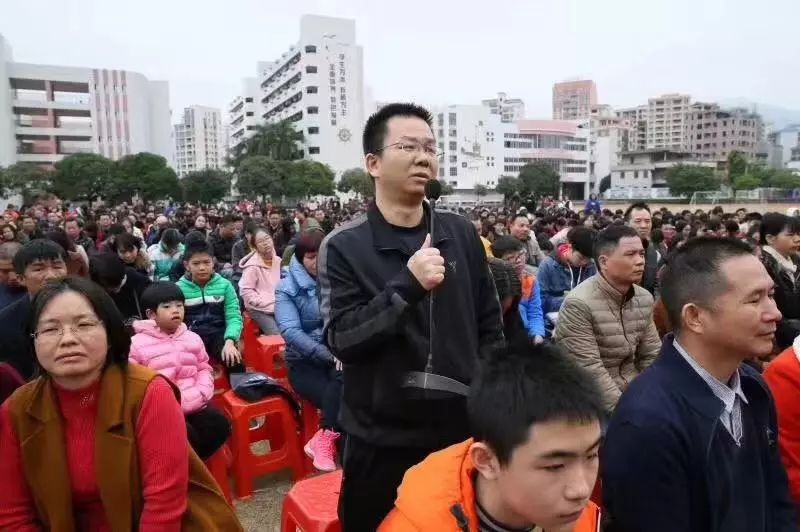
[(556, 279), (298, 317), (530, 310)]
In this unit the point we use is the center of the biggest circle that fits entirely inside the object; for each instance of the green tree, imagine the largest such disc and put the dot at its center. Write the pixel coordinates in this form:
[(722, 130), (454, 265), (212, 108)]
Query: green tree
[(481, 190), (279, 142), (358, 181), (747, 182), (737, 166), (206, 186), (539, 179), (145, 174), (82, 176), (314, 178), (258, 175), (26, 179), (605, 183), (508, 186), (685, 180), (785, 179), (447, 188)]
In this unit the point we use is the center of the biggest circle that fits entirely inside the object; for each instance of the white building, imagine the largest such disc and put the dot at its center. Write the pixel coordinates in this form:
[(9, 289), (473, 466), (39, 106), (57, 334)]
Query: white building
[(648, 169), (199, 140), (318, 85), (610, 136), (573, 100), (509, 109), (244, 113), (667, 122), (784, 141), (48, 112), (637, 117)]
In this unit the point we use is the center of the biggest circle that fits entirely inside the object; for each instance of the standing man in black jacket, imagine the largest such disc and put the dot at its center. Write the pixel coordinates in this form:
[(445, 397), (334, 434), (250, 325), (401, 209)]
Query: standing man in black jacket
[(376, 275)]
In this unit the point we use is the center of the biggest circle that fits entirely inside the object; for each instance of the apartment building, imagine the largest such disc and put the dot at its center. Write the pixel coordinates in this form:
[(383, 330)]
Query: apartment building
[(48, 112), (509, 109), (244, 113), (784, 142), (713, 133), (573, 100), (610, 136), (667, 121), (318, 85), (637, 117), (199, 140)]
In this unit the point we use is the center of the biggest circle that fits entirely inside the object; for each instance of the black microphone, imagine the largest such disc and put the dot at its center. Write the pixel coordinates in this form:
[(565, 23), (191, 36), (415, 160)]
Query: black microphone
[(433, 190)]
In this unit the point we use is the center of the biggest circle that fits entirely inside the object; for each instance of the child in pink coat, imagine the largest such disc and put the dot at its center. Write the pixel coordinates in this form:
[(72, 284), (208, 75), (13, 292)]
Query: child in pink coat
[(164, 344)]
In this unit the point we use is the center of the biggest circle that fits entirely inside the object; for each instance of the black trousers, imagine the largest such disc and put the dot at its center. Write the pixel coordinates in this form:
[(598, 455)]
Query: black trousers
[(214, 344), (321, 385), (371, 476), (208, 430)]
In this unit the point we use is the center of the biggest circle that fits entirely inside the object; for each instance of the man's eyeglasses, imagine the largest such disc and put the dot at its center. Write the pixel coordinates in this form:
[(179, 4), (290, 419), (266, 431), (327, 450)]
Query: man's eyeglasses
[(411, 147)]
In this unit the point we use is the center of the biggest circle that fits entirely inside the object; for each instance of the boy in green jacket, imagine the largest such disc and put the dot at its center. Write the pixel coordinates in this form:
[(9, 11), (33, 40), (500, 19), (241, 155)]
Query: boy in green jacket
[(212, 307)]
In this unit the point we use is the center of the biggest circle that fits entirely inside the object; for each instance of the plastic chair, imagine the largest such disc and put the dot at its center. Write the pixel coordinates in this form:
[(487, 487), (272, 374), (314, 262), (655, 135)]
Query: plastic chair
[(262, 353), (221, 385), (276, 424), (311, 505), (218, 465)]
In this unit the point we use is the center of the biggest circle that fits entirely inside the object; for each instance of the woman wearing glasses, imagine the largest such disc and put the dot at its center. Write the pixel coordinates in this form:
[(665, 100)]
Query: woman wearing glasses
[(93, 443)]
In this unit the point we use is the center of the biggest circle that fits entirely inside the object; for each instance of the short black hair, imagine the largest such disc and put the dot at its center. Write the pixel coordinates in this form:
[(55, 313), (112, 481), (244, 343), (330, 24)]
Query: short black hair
[(37, 249), (506, 244), (309, 242), (528, 385), (228, 219), (519, 215), (171, 238), (60, 237), (375, 129), (693, 273), (192, 237), (106, 269), (116, 229), (774, 222), (581, 238), (197, 248), (160, 292), (119, 341), (127, 242), (608, 239), (638, 206)]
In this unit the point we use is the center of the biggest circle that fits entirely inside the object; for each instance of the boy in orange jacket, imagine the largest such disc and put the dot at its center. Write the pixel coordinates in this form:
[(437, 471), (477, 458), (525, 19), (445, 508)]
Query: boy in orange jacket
[(532, 462)]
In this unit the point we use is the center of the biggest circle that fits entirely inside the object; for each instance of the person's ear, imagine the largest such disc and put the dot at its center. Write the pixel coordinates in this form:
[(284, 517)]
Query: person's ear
[(150, 313), (373, 164), (484, 460), (692, 318)]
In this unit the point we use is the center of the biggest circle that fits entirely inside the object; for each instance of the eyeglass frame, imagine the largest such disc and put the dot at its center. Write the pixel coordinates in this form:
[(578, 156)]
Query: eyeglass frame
[(418, 147), (61, 329)]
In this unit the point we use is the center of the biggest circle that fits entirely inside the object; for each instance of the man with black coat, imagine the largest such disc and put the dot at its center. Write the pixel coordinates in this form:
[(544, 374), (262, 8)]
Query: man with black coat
[(376, 276), (124, 284)]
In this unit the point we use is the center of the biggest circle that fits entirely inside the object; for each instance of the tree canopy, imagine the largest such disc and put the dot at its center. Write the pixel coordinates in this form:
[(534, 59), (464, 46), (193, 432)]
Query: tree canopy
[(259, 175), (145, 174), (358, 181), (481, 190), (685, 180), (539, 179), (508, 186), (206, 186), (279, 142), (82, 176)]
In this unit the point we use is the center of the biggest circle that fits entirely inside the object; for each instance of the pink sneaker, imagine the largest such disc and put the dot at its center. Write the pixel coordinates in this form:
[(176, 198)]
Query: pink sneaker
[(321, 448)]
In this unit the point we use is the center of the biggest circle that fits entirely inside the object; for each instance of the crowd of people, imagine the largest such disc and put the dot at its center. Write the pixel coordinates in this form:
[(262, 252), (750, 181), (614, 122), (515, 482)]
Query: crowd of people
[(633, 344)]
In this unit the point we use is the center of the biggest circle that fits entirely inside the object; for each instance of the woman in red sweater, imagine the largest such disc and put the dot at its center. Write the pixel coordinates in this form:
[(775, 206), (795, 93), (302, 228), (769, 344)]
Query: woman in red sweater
[(72, 440), (783, 377)]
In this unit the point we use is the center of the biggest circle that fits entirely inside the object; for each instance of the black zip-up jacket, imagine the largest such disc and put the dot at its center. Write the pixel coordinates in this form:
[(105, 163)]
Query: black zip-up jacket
[(376, 322)]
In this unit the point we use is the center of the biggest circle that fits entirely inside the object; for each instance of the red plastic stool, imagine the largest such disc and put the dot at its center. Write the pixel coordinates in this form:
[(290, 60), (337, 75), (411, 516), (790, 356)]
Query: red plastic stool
[(218, 465), (279, 428), (221, 385), (311, 505), (265, 354)]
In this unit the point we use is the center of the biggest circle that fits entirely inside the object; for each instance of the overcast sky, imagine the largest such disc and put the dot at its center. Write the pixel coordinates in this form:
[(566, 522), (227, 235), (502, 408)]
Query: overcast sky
[(436, 51)]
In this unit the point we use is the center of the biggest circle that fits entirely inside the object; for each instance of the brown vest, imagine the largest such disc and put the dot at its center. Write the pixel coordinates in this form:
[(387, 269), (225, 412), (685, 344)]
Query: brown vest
[(37, 424)]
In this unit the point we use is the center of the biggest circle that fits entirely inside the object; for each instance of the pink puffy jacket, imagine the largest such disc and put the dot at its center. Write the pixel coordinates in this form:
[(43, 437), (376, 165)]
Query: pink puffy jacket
[(180, 357)]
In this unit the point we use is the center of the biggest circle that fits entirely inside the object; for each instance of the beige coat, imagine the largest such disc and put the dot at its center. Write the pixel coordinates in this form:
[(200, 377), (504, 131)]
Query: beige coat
[(610, 334)]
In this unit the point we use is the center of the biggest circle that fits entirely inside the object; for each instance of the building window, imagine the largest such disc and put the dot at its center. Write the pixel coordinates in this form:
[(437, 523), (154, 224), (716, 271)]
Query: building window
[(313, 130), (464, 164), (311, 90), (453, 133), (453, 145), (249, 113), (622, 175), (452, 118), (453, 159), (311, 49), (441, 171), (312, 110), (313, 150), (248, 100), (311, 69), (453, 171), (636, 174)]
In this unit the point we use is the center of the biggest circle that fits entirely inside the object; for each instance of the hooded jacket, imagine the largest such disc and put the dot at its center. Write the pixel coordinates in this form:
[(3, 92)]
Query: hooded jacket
[(180, 357), (162, 262), (297, 314), (259, 281), (213, 309), (556, 278), (439, 495)]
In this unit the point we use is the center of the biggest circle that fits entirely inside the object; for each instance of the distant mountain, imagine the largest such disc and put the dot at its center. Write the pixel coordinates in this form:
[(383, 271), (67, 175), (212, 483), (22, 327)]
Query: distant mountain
[(779, 117)]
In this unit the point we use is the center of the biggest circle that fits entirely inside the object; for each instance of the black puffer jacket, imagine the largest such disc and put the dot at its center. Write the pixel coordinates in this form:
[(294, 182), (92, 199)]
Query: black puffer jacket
[(787, 297)]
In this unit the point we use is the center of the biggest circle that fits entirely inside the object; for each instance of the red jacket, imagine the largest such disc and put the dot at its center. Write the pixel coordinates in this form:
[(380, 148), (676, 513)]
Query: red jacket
[(783, 377)]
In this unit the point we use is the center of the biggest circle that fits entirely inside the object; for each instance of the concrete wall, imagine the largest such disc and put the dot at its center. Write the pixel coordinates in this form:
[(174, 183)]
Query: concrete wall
[(8, 149)]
